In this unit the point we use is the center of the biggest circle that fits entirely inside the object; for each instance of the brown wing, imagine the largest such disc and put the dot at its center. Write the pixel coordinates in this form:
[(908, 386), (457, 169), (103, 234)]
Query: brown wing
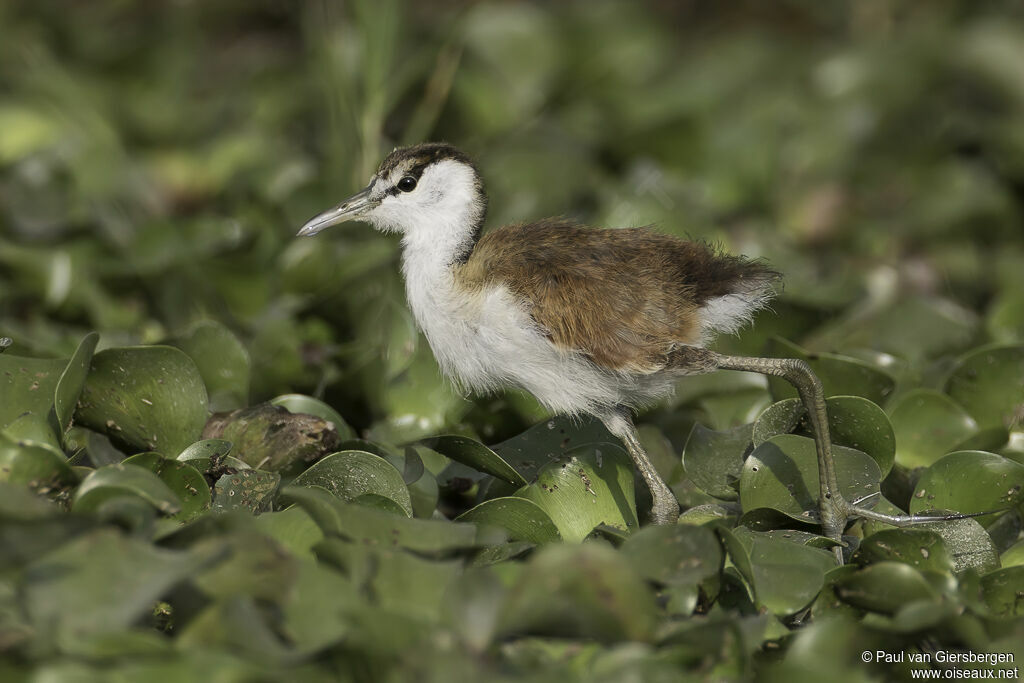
[(623, 297)]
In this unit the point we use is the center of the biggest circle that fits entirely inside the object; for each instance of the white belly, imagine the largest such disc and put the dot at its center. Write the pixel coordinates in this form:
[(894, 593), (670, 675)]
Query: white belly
[(487, 341)]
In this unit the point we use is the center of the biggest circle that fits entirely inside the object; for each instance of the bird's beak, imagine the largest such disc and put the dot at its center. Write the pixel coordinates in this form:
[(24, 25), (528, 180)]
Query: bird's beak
[(349, 210)]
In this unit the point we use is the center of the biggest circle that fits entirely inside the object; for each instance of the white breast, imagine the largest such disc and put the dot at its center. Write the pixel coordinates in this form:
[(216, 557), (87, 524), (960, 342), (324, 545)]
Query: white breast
[(487, 340)]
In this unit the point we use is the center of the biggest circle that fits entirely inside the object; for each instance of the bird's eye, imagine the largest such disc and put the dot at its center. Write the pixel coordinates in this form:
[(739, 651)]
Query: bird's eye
[(407, 184)]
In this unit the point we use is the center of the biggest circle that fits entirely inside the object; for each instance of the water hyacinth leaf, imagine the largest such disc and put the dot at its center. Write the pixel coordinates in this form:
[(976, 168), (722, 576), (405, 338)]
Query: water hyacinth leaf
[(314, 610), (364, 525), (36, 465), (18, 504), (110, 481), (473, 605), (710, 514), (412, 467), (206, 454), (271, 438), (531, 450), (351, 474), (222, 361), (840, 375), (1011, 557), (989, 383), (292, 528), (399, 581), (970, 481), (474, 454), (782, 474), (35, 430), (586, 487), (187, 483), (676, 555), (581, 591), (28, 385), (853, 422), (920, 548), (968, 543), (884, 587), (928, 425), (523, 519), (307, 405), (144, 398), (100, 582), (786, 576), (377, 502), (1002, 591), (714, 460), (251, 490), (72, 380)]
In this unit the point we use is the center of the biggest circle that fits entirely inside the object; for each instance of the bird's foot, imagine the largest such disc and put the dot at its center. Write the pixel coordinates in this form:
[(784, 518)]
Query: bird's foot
[(836, 512)]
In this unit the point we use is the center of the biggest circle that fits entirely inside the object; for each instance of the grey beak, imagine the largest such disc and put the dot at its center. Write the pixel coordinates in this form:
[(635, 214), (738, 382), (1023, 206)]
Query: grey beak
[(349, 210)]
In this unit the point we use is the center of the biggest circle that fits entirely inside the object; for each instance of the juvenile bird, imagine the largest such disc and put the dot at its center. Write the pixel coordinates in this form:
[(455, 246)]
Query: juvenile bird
[(589, 321)]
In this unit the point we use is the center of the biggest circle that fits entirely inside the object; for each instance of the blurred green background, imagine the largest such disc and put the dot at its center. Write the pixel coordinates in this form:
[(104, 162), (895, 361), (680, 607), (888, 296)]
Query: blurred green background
[(156, 159)]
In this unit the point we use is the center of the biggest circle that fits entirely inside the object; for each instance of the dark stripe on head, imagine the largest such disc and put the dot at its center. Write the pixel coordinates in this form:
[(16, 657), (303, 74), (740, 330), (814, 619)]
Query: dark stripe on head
[(421, 156), (417, 158)]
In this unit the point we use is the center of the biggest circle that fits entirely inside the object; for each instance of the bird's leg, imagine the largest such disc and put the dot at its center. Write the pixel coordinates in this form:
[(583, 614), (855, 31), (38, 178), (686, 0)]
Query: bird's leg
[(833, 508), (665, 508)]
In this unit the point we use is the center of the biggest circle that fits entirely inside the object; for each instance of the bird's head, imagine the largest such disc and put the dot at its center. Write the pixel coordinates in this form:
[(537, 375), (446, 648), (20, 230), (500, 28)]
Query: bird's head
[(430, 191)]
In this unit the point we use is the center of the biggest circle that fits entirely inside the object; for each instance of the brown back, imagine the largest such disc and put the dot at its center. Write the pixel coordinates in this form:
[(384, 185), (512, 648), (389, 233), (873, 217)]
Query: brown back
[(624, 297)]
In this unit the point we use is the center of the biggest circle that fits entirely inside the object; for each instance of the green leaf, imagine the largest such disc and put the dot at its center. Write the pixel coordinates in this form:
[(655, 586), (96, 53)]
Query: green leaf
[(185, 481), (314, 612), (884, 587), (970, 481), (28, 385), (206, 454), (18, 504), (786, 576), (968, 544), (928, 425), (584, 488), (474, 454), (111, 481), (307, 405), (1013, 556), (782, 474), (72, 380), (251, 490), (920, 548), (99, 582), (364, 525), (840, 375), (714, 460), (853, 422), (523, 519), (1002, 591), (676, 555), (222, 362), (292, 528), (37, 465), (537, 446), (580, 591), (989, 383), (351, 474), (398, 580), (148, 398)]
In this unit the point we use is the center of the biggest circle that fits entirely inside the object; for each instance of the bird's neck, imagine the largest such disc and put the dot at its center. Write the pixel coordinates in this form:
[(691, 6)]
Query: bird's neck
[(439, 243)]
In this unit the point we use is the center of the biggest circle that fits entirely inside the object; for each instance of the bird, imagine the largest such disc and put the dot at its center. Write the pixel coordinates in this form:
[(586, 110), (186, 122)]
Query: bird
[(591, 321)]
